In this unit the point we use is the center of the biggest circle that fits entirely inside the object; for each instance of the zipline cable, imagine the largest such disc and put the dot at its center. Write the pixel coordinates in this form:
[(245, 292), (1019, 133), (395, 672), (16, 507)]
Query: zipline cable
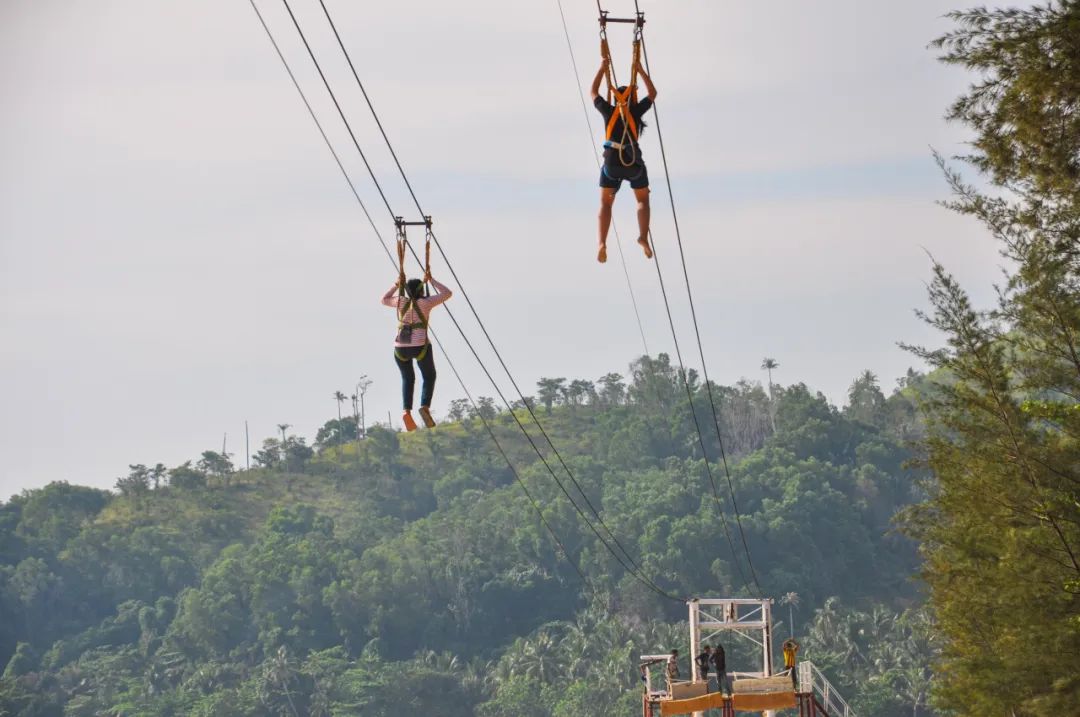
[(684, 379), (635, 571), (532, 501), (693, 314), (469, 303), (599, 165), (697, 425)]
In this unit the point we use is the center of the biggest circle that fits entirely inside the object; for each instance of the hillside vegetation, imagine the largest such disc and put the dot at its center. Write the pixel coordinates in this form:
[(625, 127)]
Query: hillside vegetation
[(412, 575)]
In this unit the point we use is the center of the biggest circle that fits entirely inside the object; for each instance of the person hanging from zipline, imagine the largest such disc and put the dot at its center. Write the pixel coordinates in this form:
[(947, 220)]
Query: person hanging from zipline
[(411, 343), (622, 155)]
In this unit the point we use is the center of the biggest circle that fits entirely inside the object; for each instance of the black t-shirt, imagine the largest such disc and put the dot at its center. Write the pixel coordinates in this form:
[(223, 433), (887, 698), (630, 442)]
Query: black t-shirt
[(719, 659), (637, 110), (703, 661)]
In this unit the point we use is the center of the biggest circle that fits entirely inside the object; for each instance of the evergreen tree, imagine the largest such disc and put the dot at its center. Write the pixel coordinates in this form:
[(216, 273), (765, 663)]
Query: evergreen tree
[(1001, 531)]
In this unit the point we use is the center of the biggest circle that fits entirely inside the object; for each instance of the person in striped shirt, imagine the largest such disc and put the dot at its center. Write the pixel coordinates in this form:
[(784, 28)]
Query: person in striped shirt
[(411, 343)]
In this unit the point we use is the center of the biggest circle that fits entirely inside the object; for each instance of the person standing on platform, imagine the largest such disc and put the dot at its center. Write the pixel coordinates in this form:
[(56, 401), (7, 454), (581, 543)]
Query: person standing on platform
[(704, 662), (719, 660), (790, 648), (672, 670)]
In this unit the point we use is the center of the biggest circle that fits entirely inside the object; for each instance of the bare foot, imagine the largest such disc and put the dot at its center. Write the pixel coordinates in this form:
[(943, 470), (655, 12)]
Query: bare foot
[(601, 256), (644, 242)]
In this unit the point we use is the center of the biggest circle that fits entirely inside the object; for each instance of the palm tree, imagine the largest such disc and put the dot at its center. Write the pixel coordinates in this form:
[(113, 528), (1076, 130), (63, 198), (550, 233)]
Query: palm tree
[(340, 398), (278, 672), (539, 658), (157, 473), (792, 601), (768, 364), (283, 427)]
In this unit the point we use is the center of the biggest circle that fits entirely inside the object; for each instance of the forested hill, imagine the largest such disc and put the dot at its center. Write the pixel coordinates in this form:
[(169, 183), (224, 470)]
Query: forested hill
[(413, 576)]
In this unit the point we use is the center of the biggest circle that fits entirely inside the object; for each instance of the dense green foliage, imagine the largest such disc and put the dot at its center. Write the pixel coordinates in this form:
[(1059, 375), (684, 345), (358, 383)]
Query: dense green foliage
[(409, 574), (1001, 532)]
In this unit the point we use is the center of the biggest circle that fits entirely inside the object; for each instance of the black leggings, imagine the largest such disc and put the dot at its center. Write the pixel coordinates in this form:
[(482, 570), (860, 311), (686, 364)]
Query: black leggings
[(425, 356)]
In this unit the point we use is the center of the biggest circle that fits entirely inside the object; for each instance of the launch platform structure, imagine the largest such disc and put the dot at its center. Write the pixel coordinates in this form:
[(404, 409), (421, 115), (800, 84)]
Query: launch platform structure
[(758, 690)]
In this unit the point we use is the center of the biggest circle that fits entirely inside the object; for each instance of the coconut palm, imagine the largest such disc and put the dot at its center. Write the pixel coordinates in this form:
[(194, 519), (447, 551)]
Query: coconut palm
[(284, 443), (539, 658), (768, 364), (340, 398), (792, 601), (278, 672)]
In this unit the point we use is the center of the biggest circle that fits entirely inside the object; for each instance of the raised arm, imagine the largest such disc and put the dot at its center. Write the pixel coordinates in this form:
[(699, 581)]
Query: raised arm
[(442, 293), (648, 82), (595, 89), (390, 297)]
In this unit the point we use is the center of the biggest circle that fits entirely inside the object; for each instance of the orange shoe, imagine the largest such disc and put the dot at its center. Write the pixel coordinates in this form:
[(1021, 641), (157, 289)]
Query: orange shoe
[(407, 419), (425, 416)]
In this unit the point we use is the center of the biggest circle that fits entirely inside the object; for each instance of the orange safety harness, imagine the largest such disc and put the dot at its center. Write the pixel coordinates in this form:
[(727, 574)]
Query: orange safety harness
[(622, 101)]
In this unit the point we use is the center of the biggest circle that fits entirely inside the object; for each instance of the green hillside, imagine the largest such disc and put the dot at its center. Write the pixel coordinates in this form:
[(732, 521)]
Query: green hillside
[(415, 571), (924, 545)]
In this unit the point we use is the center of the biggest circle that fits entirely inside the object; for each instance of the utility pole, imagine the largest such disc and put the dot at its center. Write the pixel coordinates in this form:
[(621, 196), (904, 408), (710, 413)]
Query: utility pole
[(247, 448), (361, 389)]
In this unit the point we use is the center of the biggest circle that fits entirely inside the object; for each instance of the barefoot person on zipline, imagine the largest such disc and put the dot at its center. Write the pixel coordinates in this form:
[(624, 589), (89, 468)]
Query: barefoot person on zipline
[(411, 343), (622, 155)]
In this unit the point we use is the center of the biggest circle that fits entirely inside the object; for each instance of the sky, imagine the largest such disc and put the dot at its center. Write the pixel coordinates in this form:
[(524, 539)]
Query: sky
[(180, 255)]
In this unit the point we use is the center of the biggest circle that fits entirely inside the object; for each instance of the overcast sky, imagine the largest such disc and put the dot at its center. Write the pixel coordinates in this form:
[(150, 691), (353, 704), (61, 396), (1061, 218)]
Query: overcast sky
[(179, 253)]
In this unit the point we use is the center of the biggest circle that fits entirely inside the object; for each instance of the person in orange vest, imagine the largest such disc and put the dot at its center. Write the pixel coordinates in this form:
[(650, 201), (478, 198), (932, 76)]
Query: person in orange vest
[(790, 648), (622, 158)]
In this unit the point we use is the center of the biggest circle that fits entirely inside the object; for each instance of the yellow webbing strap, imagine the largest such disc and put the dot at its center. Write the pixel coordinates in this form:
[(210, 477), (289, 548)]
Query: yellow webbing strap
[(713, 700), (419, 357), (765, 701)]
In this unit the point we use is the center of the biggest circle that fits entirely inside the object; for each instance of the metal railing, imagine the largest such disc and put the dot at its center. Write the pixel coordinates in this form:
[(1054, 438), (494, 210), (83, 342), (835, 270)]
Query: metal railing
[(812, 680)]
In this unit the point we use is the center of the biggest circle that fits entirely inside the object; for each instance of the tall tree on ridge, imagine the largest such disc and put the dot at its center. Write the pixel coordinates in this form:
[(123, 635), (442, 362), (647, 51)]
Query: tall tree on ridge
[(768, 364), (549, 390)]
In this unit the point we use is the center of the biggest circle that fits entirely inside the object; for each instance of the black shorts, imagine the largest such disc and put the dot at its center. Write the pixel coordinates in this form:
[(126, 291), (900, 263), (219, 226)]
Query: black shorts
[(612, 176)]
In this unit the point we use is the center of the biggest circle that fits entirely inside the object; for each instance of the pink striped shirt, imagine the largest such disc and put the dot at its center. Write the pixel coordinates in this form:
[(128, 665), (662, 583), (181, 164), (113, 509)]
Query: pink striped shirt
[(425, 304)]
